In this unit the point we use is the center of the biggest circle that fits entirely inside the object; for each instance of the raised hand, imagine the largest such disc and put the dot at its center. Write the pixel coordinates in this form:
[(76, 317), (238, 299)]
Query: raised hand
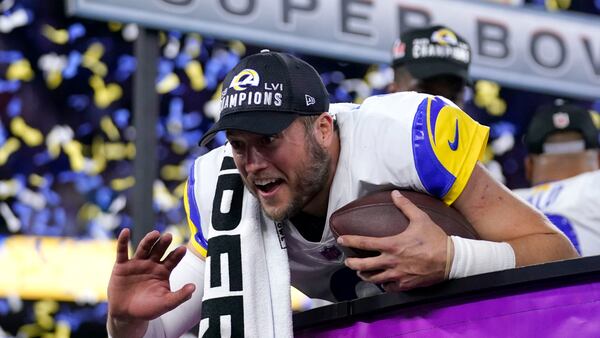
[(138, 289), (413, 258)]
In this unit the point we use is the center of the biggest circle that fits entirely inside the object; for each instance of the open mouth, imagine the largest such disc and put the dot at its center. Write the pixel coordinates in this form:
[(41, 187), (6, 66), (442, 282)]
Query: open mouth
[(267, 186)]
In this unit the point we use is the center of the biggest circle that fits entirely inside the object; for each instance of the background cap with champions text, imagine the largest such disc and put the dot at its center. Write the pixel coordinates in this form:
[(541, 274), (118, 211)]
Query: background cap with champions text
[(432, 51)]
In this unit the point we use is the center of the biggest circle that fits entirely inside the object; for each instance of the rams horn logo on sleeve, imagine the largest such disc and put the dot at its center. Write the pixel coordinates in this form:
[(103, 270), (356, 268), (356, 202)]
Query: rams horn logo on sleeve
[(245, 78), (446, 145)]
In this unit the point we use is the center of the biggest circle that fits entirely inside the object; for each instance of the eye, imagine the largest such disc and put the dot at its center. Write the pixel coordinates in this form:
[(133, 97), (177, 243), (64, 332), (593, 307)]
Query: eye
[(236, 145), (269, 139)]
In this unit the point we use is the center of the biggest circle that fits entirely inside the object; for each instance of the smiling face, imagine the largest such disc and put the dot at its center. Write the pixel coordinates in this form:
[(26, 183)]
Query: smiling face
[(285, 171)]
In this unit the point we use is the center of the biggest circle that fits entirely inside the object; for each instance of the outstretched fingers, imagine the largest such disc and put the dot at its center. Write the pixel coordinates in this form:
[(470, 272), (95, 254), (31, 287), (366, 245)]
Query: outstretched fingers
[(160, 247), (174, 257), (123, 246), (146, 244)]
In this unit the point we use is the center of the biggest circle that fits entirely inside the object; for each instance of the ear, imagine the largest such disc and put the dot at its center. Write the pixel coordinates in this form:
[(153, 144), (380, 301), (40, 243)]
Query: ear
[(325, 129)]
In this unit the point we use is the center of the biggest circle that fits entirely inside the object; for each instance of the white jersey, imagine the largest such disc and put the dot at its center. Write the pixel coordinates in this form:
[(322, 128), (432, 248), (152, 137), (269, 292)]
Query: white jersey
[(405, 140), (573, 205)]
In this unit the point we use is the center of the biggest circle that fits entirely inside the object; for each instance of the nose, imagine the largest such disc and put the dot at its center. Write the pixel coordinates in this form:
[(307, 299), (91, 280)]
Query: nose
[(255, 160)]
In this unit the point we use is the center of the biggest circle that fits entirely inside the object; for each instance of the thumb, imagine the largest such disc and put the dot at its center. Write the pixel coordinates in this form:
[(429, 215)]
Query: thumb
[(408, 208), (176, 298)]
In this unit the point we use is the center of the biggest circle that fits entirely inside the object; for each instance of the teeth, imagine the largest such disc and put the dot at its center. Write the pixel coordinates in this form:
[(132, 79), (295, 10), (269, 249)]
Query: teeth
[(264, 181)]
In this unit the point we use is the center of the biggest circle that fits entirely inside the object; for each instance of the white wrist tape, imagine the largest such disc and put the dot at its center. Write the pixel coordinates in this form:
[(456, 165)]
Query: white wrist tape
[(181, 319), (474, 257)]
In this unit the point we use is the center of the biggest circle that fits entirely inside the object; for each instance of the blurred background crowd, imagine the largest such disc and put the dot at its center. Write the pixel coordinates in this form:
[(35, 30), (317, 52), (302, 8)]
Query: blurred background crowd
[(67, 147)]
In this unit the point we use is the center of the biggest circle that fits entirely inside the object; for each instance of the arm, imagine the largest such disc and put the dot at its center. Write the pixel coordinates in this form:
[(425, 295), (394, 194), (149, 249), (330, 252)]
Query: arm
[(140, 289), (499, 216), (422, 254)]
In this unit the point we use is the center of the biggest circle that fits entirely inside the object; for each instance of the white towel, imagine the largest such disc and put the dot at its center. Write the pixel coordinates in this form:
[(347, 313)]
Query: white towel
[(265, 276)]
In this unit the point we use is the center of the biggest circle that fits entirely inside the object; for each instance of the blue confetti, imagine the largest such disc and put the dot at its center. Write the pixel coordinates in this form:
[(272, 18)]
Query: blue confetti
[(73, 63), (9, 86), (104, 197), (192, 120), (10, 56), (76, 31), (84, 129), (121, 118), (182, 60), (126, 65), (14, 107), (501, 128), (4, 307), (78, 102), (3, 134)]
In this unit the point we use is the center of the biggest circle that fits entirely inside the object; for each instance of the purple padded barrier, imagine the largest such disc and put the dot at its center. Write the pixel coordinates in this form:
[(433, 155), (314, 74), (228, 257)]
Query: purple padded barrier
[(569, 311)]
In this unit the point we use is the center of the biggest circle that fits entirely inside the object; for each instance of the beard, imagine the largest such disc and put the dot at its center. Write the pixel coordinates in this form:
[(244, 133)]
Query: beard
[(313, 178)]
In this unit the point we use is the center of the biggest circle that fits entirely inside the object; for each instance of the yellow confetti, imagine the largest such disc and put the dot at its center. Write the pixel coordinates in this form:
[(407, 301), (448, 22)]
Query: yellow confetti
[(53, 79), (115, 26), (31, 136), (167, 84), (238, 47), (179, 148), (8, 188), (554, 5), (63, 329), (58, 36), (171, 172), (194, 72), (497, 107), (91, 59), (20, 70), (88, 211), (97, 165), (595, 118), (73, 151), (104, 95), (114, 151), (30, 330), (120, 184), (179, 190), (162, 38), (109, 128), (37, 180), (10, 146), (43, 311)]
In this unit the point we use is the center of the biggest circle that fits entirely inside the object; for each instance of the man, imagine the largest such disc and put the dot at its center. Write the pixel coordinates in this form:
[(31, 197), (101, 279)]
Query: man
[(433, 60), (290, 162), (562, 167)]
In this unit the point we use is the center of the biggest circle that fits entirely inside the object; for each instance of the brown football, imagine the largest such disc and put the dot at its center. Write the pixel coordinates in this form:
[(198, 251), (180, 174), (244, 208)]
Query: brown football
[(376, 215)]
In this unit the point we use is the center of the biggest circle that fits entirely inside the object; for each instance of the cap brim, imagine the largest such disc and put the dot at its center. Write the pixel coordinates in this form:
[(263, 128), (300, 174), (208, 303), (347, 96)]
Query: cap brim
[(257, 122), (424, 70)]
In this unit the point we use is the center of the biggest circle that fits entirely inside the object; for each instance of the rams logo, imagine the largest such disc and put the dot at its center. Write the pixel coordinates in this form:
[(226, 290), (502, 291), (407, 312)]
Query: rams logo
[(444, 37), (245, 78)]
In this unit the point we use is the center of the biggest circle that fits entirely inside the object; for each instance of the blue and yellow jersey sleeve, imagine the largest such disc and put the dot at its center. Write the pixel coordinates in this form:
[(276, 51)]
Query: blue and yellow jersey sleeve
[(192, 212), (446, 146)]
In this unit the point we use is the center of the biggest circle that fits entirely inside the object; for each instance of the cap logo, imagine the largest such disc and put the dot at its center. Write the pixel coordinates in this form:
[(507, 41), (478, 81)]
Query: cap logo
[(444, 37), (442, 44), (309, 100), (245, 78), (560, 120), (399, 49)]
